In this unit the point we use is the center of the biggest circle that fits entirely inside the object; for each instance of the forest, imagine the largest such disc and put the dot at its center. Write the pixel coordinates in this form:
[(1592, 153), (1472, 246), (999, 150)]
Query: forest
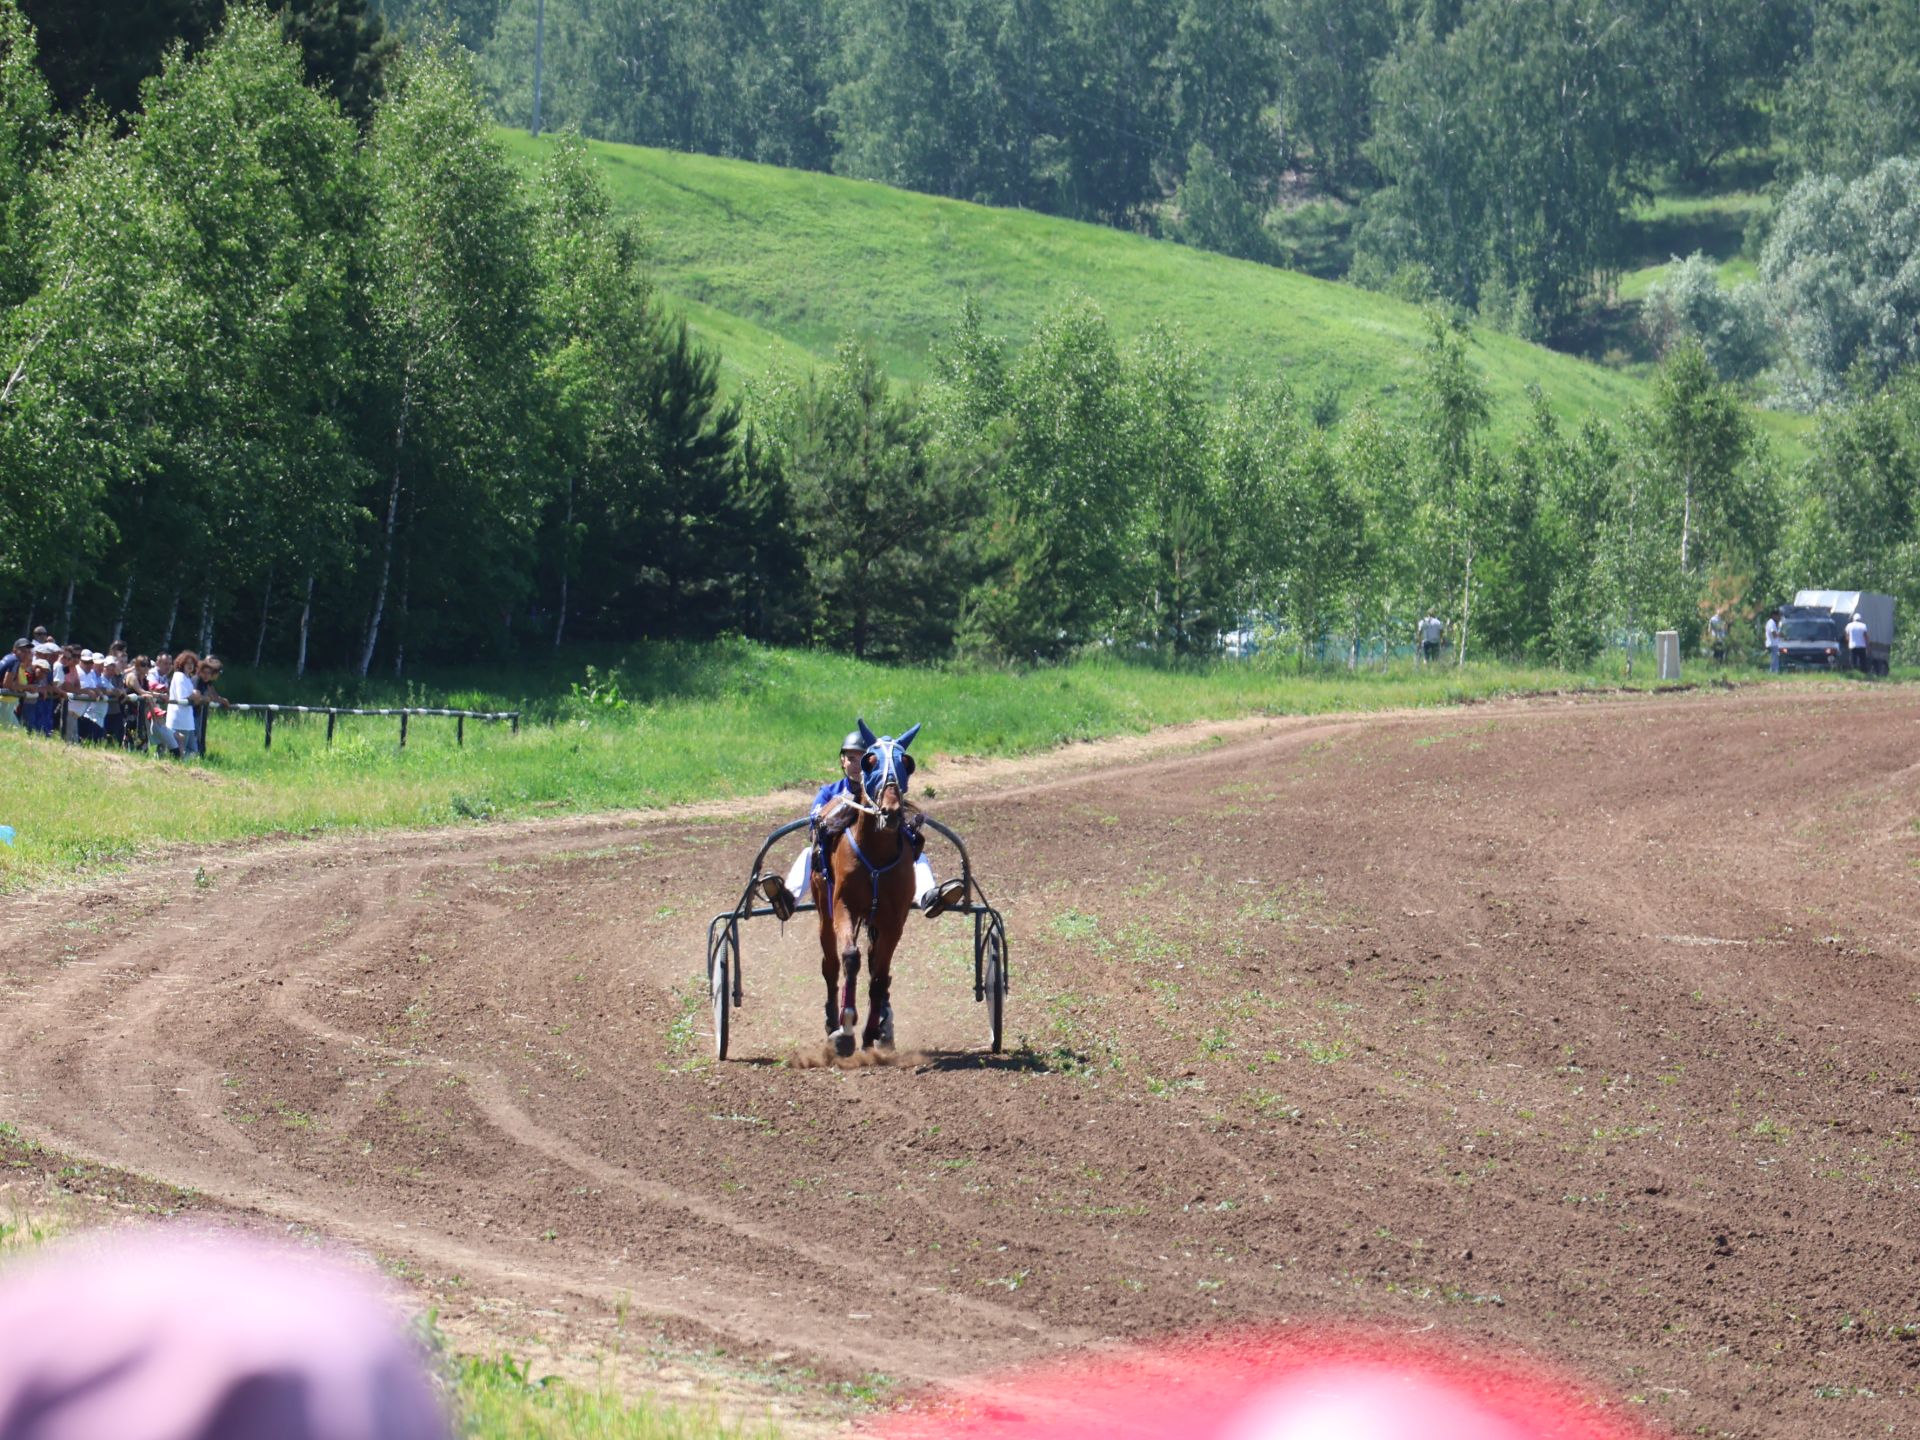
[(294, 361)]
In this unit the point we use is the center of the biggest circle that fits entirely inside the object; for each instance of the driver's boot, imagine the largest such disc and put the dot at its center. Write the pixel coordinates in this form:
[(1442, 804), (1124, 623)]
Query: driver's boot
[(779, 897), (945, 897)]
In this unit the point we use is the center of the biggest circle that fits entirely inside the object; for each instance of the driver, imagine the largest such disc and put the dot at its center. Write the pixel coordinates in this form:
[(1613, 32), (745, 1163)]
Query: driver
[(929, 895)]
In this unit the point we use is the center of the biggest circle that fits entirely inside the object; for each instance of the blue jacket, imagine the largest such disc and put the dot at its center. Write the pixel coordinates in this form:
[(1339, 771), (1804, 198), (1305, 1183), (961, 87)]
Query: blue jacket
[(829, 791)]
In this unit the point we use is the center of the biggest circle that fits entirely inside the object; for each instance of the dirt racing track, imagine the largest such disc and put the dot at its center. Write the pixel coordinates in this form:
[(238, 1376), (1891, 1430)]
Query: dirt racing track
[(1586, 1031)]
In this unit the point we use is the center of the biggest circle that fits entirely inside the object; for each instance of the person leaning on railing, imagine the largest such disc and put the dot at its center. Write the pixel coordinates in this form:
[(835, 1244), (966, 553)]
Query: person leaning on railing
[(133, 679), (211, 669), (66, 683), (207, 681), (14, 670), (115, 694), (179, 729), (45, 702)]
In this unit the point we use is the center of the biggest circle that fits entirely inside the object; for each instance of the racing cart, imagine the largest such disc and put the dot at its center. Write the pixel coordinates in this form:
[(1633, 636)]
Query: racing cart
[(726, 982)]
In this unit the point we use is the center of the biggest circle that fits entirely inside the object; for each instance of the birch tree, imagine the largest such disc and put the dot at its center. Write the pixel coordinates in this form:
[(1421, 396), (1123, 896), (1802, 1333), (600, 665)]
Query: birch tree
[(449, 294)]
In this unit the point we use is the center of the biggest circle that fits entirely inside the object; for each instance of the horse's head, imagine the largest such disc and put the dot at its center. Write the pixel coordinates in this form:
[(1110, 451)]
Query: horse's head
[(885, 770)]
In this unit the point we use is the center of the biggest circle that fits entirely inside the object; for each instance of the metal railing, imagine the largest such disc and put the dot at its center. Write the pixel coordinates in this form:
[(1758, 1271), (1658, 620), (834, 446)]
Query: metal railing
[(333, 712), (135, 730)]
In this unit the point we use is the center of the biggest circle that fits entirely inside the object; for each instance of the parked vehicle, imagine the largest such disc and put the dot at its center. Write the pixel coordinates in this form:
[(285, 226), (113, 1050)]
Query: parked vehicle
[(1813, 629)]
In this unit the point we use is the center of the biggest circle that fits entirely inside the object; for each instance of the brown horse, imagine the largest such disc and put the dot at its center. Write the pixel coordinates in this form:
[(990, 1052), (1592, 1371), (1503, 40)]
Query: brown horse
[(870, 848)]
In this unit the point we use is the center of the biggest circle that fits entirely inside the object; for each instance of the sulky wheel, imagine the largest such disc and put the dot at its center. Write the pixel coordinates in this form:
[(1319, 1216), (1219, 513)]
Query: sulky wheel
[(994, 988), (720, 983)]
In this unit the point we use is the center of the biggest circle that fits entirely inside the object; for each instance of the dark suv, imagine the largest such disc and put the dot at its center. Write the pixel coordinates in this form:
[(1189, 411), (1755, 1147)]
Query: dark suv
[(1811, 640)]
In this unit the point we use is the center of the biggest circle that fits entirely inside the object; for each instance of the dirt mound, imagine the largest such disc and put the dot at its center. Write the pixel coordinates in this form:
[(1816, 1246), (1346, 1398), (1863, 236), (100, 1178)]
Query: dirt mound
[(1582, 1030)]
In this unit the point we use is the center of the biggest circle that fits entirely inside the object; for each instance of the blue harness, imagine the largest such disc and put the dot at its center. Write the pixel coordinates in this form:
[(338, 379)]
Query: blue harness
[(874, 872)]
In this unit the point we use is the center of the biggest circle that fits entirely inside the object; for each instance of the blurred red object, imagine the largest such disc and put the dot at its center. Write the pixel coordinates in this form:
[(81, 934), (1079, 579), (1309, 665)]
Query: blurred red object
[(1268, 1385)]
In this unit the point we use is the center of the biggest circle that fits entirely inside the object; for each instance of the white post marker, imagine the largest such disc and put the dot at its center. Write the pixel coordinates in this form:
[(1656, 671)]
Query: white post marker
[(1666, 654)]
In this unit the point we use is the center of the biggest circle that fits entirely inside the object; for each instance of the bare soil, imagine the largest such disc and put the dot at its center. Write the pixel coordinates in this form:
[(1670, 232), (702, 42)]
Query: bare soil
[(1584, 1030)]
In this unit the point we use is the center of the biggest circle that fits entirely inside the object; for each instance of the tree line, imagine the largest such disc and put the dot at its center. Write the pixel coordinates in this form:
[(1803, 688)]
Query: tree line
[(368, 391), (360, 393)]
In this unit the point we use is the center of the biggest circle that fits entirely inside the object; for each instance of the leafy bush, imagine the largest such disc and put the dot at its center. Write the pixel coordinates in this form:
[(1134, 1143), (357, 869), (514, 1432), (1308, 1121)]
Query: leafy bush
[(1841, 280), (1211, 213), (1315, 238), (1731, 324), (600, 698)]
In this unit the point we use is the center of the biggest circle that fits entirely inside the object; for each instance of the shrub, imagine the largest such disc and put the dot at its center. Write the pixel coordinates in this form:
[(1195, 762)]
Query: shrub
[(1731, 324), (1840, 277)]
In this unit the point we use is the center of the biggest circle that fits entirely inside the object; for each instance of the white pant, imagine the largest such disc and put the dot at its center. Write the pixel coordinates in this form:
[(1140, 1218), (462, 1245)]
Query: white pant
[(165, 737), (923, 881)]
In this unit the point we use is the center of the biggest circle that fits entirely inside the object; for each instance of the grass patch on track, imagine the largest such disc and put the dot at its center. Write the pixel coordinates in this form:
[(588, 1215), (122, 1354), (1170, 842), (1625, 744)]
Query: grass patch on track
[(668, 724), (497, 1400)]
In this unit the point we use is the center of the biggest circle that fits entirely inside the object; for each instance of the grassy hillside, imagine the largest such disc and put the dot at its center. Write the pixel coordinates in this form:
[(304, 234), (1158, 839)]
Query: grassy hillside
[(778, 263)]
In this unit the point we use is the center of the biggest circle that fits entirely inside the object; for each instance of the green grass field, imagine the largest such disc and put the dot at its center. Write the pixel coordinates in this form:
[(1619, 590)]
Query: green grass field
[(774, 266), (689, 723), (498, 1400)]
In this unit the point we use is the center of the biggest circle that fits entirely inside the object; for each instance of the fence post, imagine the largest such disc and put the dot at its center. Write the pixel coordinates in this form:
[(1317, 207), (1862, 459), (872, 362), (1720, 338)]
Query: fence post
[(403, 729), (460, 730), (332, 715), (206, 712), (516, 722), (269, 744)]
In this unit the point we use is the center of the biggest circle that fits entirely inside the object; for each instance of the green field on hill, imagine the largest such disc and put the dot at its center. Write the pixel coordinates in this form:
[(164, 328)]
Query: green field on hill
[(774, 266)]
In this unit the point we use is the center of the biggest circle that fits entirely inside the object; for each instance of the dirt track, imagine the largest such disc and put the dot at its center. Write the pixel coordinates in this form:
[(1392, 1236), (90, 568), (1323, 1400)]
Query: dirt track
[(1587, 1030)]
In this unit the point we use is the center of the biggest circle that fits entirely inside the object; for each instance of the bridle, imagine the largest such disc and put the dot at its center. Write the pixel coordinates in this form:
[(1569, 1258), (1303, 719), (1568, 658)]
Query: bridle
[(886, 763)]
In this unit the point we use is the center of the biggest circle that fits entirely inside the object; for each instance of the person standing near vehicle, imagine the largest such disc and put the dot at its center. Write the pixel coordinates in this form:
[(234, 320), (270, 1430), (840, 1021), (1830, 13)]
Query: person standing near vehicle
[(1857, 643), (1431, 630), (1717, 636), (1773, 642)]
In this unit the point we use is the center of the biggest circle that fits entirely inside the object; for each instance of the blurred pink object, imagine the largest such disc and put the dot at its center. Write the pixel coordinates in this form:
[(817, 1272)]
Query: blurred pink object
[(204, 1336), (1268, 1384)]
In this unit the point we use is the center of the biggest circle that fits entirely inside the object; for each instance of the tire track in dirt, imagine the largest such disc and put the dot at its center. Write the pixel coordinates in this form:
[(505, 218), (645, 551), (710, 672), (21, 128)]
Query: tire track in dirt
[(1584, 1029)]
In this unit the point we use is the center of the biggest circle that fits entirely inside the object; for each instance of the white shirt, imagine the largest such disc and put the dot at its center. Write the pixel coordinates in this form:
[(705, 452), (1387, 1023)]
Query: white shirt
[(1773, 634), (1430, 629), (1857, 634), (94, 710), (180, 692)]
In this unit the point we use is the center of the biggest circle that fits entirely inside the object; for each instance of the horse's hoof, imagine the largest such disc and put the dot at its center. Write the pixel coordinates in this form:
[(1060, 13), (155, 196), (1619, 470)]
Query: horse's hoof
[(843, 1043)]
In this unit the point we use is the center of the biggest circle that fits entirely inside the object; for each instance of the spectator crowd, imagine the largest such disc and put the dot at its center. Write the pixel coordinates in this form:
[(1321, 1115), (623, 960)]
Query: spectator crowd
[(108, 697)]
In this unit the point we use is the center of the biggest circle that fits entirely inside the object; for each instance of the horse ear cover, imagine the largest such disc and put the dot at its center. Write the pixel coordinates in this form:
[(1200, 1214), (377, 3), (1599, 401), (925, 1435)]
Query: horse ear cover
[(907, 738), (866, 735)]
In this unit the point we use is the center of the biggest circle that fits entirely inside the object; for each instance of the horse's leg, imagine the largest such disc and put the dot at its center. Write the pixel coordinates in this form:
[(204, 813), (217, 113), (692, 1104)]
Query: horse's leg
[(829, 956), (842, 960), (849, 939), (887, 926)]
